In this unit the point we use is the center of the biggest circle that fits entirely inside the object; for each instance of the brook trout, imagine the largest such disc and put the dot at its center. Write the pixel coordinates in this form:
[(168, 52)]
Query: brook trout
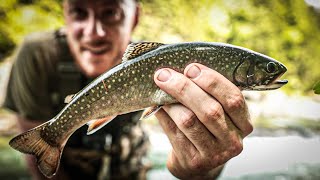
[(130, 87)]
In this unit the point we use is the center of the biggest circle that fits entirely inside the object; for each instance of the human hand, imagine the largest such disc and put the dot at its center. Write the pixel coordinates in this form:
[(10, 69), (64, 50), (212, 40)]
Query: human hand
[(207, 128)]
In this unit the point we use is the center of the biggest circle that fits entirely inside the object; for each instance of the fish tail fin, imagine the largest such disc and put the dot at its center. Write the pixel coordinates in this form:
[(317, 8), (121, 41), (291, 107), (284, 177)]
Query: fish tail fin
[(31, 142)]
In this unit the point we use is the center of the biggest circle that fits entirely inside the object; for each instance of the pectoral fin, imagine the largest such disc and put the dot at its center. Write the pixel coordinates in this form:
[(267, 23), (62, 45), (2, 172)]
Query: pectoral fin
[(95, 125), (149, 112), (68, 98)]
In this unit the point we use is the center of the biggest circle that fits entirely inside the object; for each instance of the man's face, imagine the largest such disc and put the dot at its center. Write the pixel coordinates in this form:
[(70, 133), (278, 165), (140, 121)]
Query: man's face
[(98, 32)]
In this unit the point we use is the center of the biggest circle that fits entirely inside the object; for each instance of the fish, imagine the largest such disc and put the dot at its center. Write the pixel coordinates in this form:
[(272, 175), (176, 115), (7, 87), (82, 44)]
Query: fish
[(130, 87)]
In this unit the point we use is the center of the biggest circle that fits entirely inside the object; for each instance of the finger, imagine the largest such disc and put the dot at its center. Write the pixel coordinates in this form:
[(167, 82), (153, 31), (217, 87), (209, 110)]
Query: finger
[(175, 166), (177, 139), (193, 129), (207, 109), (224, 91)]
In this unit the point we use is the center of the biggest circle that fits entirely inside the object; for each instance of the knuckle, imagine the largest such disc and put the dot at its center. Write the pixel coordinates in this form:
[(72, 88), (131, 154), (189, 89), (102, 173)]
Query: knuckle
[(216, 160), (196, 164), (187, 119), (213, 82), (172, 127), (236, 102), (236, 147), (214, 112), (181, 85)]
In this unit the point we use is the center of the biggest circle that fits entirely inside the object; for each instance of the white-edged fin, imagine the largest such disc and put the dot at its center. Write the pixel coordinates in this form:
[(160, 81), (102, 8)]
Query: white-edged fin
[(149, 112), (95, 125), (68, 98), (136, 49)]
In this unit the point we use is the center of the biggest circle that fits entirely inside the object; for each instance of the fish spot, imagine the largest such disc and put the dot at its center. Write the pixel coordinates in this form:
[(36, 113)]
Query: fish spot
[(70, 116), (88, 105), (76, 112), (113, 80), (109, 86)]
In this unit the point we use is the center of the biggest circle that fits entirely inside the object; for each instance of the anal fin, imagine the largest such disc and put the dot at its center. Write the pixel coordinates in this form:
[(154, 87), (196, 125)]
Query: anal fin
[(95, 125)]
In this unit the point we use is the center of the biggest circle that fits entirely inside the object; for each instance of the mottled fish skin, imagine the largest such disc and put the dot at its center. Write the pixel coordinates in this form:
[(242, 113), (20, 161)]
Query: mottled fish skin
[(130, 87)]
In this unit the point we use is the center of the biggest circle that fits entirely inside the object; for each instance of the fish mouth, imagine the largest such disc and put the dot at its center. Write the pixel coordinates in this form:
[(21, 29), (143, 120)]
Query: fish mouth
[(277, 84), (272, 86)]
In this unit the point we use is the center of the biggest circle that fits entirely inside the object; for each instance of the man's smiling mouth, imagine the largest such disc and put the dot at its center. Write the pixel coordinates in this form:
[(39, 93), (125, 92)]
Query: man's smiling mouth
[(96, 50)]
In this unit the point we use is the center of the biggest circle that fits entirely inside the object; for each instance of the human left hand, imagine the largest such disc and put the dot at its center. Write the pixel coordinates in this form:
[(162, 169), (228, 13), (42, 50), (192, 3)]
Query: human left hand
[(207, 127)]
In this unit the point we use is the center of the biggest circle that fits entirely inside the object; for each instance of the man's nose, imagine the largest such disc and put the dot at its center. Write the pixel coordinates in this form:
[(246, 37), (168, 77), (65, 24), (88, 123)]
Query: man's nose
[(94, 28)]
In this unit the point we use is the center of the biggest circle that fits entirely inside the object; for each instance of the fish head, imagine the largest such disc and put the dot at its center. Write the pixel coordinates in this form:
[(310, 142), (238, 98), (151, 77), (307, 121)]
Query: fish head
[(259, 72)]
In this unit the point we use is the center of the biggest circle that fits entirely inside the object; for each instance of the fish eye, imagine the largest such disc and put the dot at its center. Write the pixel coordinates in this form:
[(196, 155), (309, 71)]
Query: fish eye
[(271, 67)]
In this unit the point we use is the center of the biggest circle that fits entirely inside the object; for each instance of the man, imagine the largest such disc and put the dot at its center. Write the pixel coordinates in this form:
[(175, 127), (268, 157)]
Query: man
[(205, 130)]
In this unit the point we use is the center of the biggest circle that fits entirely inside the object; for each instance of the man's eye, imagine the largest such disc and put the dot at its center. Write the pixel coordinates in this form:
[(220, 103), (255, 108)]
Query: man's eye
[(78, 14), (111, 16)]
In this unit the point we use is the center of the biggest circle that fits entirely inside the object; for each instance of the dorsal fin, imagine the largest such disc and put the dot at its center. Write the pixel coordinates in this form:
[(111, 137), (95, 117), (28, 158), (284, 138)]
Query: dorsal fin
[(136, 49)]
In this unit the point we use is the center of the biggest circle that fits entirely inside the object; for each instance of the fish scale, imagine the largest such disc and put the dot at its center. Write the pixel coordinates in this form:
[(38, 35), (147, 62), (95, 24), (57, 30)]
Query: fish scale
[(130, 87)]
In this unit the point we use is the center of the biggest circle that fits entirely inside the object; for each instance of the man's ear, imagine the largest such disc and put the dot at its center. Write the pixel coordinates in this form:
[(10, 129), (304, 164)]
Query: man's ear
[(136, 16)]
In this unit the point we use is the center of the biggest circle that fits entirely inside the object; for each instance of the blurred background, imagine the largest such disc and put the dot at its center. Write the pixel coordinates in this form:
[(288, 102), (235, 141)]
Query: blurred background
[(286, 141)]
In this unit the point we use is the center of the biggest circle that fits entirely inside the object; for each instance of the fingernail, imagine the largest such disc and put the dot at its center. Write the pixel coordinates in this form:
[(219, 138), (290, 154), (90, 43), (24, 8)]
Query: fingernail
[(193, 71), (164, 75)]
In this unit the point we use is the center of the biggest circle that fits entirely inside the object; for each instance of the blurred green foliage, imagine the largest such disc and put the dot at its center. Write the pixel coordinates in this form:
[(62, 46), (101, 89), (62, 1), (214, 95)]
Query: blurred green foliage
[(316, 88), (286, 30)]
